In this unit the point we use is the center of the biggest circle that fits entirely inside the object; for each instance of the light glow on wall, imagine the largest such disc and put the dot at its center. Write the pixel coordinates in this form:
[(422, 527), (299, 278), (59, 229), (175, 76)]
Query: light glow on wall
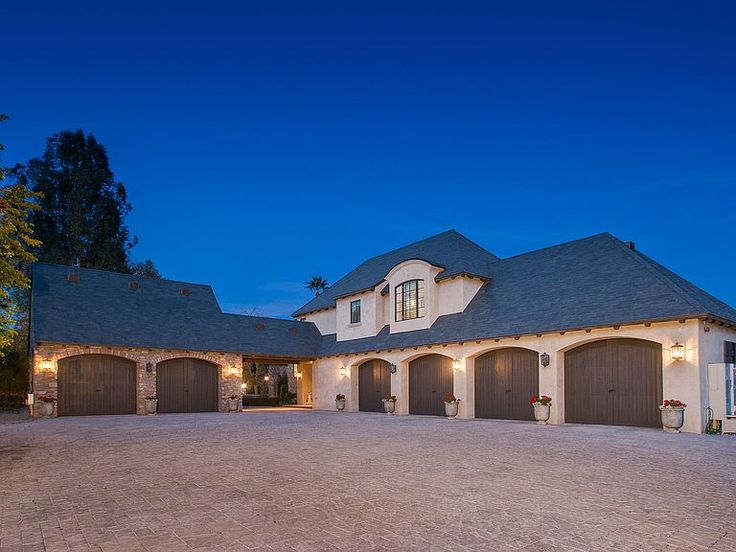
[(48, 365), (343, 371), (677, 352)]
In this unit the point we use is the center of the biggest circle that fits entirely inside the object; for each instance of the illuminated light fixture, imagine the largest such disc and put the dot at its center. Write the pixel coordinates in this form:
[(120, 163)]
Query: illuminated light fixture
[(392, 368), (343, 371), (265, 378), (677, 351), (457, 364), (295, 367), (298, 375), (47, 364), (244, 386), (544, 359)]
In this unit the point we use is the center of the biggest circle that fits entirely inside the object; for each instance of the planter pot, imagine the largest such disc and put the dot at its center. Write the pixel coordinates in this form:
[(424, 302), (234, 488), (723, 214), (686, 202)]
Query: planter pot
[(340, 404), (451, 409), (45, 408), (541, 413), (233, 405), (151, 406), (389, 407), (672, 419)]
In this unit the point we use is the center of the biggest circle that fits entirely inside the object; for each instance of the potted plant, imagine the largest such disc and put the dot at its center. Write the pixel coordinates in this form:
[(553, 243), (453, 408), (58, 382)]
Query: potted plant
[(672, 412), (451, 404), (340, 402), (389, 404), (151, 404), (233, 403), (46, 405), (541, 406)]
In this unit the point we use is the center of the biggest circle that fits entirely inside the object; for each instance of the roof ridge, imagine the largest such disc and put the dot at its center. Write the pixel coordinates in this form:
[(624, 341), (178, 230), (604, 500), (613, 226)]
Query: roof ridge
[(556, 245), (644, 261), (253, 316)]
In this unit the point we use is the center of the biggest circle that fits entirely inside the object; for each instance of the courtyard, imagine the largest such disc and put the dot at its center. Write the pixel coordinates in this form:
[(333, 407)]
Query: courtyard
[(297, 480)]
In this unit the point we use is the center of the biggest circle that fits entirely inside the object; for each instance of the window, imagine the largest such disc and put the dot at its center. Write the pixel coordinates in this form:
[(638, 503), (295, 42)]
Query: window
[(410, 300), (729, 352), (355, 312)]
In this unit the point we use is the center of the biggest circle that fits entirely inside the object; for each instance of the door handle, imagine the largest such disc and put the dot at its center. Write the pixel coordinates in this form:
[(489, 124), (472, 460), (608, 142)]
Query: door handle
[(611, 390), (508, 390), (186, 390), (98, 390)]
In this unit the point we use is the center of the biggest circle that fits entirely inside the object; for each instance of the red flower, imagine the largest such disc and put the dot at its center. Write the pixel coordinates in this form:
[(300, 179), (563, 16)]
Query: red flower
[(534, 398)]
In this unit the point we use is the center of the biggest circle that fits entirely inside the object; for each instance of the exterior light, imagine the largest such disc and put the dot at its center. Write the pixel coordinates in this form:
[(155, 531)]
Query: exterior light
[(677, 351), (343, 371), (244, 386), (457, 364), (265, 378), (544, 359), (295, 367), (392, 368), (47, 365), (298, 375)]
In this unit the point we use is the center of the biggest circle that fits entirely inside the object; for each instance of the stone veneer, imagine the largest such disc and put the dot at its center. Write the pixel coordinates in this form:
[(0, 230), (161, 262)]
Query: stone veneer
[(230, 374)]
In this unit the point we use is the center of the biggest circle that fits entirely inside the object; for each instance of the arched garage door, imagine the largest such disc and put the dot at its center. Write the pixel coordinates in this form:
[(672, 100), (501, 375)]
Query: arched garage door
[(374, 383), (505, 380), (96, 384), (186, 385), (430, 379), (614, 381)]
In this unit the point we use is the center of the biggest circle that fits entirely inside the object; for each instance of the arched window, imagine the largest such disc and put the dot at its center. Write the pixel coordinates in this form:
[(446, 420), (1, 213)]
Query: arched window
[(409, 300)]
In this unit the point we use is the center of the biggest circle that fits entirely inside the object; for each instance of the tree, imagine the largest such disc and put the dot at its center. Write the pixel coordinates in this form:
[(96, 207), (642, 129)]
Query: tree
[(317, 284), (81, 219), (145, 268), (17, 244)]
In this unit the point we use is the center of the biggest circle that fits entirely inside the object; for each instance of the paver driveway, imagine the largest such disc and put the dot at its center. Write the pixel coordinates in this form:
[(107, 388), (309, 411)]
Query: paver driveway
[(300, 480)]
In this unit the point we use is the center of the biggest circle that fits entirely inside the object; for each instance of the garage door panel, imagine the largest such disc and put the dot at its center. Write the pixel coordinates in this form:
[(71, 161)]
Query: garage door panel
[(430, 379), (505, 379), (374, 383), (96, 385), (187, 385)]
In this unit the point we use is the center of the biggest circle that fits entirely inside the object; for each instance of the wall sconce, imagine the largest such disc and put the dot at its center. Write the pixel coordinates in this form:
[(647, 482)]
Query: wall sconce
[(343, 371), (544, 359), (265, 378), (677, 351), (393, 368), (149, 367), (457, 364), (233, 371), (244, 386), (295, 368), (47, 365), (298, 375)]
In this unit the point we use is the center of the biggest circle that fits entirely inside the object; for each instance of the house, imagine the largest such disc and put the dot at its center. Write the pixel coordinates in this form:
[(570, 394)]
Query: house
[(597, 325)]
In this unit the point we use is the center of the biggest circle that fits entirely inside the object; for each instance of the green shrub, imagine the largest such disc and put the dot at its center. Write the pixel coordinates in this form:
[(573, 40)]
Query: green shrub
[(262, 400)]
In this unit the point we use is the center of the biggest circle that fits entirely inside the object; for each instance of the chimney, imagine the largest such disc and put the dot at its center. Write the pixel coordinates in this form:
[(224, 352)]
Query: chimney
[(630, 245)]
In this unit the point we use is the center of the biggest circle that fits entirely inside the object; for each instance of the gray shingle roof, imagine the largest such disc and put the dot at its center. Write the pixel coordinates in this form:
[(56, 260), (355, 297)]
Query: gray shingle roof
[(449, 250), (101, 310), (595, 281)]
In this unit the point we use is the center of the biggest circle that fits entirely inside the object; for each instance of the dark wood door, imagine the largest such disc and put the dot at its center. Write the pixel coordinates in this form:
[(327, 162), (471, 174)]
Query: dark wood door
[(505, 380), (96, 384), (374, 383), (430, 379), (614, 381), (186, 385)]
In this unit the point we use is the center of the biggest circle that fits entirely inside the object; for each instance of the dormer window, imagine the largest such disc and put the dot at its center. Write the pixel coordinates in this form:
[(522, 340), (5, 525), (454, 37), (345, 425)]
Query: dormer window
[(355, 312), (410, 300)]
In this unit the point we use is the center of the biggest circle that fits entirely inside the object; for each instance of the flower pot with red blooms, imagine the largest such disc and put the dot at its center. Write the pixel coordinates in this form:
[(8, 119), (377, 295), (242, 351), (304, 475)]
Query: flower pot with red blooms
[(233, 403), (340, 402), (151, 404), (541, 406), (672, 412), (389, 404), (451, 404), (46, 405)]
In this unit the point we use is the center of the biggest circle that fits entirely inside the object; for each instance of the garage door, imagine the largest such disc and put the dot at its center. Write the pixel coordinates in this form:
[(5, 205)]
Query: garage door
[(96, 384), (430, 379), (374, 383), (186, 385), (615, 381), (505, 380)]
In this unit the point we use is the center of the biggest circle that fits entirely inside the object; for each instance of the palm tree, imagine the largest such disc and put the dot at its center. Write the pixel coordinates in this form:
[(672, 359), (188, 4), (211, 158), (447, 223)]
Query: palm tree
[(317, 284)]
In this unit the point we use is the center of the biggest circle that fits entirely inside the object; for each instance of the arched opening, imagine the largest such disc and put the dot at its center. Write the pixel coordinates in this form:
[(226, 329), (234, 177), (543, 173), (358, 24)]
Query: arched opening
[(505, 379), (374, 383), (187, 385), (614, 381), (95, 385), (430, 379)]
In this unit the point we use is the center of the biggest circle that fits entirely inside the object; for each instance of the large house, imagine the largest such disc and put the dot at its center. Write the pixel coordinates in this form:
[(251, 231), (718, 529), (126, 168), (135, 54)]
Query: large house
[(600, 327)]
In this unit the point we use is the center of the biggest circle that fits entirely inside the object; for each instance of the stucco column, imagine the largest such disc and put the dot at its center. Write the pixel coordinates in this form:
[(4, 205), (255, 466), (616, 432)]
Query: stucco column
[(464, 388), (353, 396), (400, 388), (552, 384)]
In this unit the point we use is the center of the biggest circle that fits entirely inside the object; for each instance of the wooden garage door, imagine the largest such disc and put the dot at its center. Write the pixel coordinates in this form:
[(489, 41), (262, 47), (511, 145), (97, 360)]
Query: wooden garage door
[(186, 385), (374, 383), (505, 380), (615, 381), (430, 379), (96, 384)]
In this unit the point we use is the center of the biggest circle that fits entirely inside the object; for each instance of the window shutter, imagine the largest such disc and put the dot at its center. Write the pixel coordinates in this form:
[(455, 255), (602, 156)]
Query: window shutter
[(729, 352)]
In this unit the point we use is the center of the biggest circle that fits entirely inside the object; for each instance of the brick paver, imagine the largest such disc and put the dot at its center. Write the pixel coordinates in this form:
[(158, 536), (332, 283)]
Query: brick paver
[(301, 481)]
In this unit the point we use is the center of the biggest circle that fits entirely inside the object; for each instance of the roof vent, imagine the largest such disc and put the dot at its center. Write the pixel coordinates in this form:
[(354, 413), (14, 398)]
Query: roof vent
[(72, 277), (133, 285), (293, 330), (260, 326), (630, 245), (186, 292)]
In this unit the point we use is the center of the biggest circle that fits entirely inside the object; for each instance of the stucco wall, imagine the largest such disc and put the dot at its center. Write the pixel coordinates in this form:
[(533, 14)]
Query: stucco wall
[(326, 321), (230, 367), (681, 379), (368, 316)]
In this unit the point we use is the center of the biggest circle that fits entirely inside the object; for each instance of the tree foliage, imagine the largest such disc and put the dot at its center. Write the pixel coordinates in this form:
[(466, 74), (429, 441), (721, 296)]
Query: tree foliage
[(317, 284)]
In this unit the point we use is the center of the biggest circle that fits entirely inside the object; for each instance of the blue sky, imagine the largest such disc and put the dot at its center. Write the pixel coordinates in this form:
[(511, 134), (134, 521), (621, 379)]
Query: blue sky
[(262, 143)]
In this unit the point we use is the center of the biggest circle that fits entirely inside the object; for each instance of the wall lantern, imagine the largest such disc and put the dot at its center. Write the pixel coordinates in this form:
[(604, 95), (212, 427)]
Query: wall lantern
[(457, 364), (244, 386), (295, 368), (544, 359), (343, 371), (393, 368), (265, 378), (47, 365), (677, 351), (149, 367), (298, 375)]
